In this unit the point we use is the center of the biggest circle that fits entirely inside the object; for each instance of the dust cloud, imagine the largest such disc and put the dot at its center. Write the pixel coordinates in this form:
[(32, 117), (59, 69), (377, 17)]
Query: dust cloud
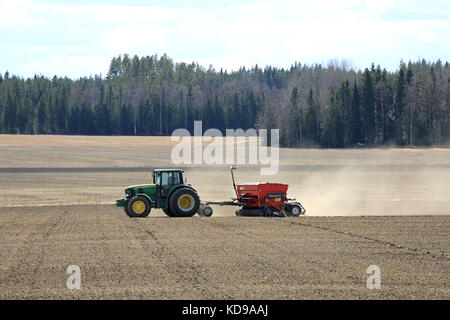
[(377, 182)]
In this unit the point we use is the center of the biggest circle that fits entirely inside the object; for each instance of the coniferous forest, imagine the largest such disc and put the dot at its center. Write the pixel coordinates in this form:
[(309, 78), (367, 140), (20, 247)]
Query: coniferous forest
[(312, 105)]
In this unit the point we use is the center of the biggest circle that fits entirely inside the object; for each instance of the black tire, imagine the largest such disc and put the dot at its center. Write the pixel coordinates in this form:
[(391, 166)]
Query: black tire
[(205, 211), (139, 207), (126, 210), (184, 197), (168, 212), (245, 212)]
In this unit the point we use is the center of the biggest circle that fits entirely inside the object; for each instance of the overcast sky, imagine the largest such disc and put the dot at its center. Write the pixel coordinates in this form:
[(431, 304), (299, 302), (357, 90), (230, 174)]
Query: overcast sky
[(79, 38)]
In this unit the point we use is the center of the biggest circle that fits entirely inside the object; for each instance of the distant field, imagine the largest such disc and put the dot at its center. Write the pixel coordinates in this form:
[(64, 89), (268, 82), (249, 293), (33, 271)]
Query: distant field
[(12, 140)]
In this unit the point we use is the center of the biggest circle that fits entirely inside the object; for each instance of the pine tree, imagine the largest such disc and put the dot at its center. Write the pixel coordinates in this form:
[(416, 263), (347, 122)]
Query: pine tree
[(219, 116), (345, 104), (189, 112), (333, 126), (312, 125), (400, 101), (295, 119), (356, 127), (368, 106)]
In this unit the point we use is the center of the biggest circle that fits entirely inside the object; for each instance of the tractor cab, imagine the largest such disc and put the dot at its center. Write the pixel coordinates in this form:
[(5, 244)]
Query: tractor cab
[(164, 179)]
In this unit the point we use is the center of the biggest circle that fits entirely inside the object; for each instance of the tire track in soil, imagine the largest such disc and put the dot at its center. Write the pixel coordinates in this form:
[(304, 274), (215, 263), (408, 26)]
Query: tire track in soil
[(27, 249), (59, 221), (146, 253), (382, 242), (323, 270), (174, 264), (5, 223), (16, 258)]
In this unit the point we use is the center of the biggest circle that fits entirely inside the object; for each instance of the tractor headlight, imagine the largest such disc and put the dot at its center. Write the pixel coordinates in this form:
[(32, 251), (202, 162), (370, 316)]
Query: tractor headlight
[(129, 193)]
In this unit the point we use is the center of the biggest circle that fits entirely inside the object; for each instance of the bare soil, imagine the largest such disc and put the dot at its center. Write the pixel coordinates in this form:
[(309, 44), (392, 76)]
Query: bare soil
[(219, 258)]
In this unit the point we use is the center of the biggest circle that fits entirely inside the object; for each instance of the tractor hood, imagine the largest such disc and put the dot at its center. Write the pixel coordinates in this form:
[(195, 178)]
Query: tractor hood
[(141, 186)]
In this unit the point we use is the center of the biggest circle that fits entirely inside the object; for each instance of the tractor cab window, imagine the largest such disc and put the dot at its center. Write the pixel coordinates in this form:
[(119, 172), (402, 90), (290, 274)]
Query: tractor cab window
[(168, 178), (174, 178), (164, 178)]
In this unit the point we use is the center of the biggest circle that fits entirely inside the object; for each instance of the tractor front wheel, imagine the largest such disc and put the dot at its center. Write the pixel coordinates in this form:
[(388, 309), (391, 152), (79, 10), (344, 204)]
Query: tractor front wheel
[(184, 202), (126, 210), (139, 207)]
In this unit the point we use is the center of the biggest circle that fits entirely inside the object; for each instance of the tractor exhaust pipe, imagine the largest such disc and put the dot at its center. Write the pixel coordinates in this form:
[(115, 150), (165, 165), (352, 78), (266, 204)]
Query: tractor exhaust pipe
[(234, 167)]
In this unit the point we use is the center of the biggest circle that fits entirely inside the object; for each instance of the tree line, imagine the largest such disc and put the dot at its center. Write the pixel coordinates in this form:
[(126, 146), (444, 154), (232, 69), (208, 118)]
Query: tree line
[(312, 105)]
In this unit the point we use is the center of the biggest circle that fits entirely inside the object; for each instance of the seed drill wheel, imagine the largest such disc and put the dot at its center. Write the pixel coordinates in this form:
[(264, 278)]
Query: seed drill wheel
[(139, 207), (184, 202), (294, 210), (205, 211)]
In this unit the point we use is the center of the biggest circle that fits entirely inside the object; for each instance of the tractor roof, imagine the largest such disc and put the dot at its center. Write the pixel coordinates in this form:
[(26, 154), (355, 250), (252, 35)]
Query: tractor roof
[(168, 170)]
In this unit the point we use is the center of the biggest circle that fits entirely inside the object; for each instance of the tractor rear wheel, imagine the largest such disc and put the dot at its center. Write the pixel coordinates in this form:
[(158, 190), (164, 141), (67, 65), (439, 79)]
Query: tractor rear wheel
[(184, 202), (139, 207)]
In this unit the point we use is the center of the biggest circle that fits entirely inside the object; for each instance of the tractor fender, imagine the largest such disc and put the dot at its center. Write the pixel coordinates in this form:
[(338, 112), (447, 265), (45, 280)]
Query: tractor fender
[(148, 198)]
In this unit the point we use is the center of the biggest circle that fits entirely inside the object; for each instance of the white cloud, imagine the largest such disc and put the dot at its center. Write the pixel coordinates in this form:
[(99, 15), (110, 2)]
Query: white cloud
[(15, 13), (377, 7), (135, 37)]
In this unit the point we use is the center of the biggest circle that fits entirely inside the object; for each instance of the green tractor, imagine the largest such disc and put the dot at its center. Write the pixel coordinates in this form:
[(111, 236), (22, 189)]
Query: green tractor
[(168, 192)]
